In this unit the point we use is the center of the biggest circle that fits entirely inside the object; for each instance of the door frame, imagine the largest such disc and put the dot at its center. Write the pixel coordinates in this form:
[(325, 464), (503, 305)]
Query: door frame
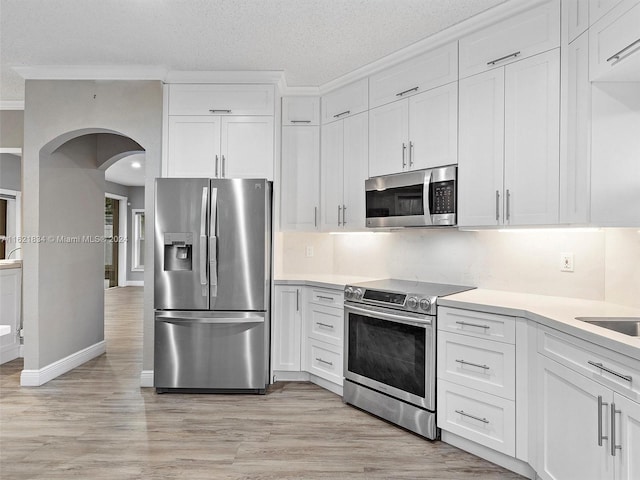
[(122, 233)]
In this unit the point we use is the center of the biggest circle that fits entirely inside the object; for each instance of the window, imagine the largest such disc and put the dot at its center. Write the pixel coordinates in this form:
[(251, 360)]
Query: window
[(137, 261)]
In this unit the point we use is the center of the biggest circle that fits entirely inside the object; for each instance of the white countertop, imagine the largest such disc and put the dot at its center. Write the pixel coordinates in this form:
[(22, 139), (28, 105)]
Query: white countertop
[(7, 264), (320, 280), (5, 330), (554, 312)]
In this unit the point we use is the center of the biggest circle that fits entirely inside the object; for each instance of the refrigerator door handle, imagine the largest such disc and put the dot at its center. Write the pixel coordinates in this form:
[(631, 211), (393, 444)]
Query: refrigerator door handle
[(213, 246), (210, 320), (203, 241)]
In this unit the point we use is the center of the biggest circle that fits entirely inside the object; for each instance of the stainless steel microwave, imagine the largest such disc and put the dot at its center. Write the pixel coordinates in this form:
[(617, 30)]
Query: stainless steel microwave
[(420, 198)]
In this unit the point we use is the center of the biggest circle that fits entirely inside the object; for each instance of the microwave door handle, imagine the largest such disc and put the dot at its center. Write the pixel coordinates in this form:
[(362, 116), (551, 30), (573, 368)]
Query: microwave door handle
[(213, 247), (203, 241), (427, 196)]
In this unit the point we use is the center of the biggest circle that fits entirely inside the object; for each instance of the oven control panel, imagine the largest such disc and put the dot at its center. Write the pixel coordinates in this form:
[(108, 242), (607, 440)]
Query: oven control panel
[(401, 301)]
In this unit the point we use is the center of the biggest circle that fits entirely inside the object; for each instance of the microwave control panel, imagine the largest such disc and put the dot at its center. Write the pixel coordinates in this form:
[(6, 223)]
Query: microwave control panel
[(443, 199)]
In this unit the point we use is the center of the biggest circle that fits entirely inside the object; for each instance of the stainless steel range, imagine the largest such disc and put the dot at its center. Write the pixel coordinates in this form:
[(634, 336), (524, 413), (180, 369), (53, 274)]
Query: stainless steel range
[(390, 350)]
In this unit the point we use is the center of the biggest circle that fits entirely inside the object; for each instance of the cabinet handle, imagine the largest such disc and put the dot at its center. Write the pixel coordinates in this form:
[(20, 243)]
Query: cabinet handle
[(300, 121), (462, 412), (508, 204), (410, 154), (315, 217), (213, 110), (414, 89), (326, 325), (497, 206), (318, 359), (224, 170), (216, 166), (473, 325), (493, 62), (338, 115), (614, 447), (339, 211), (404, 149), (600, 436), (617, 55), (628, 378), (473, 364), (344, 215), (297, 300), (325, 298)]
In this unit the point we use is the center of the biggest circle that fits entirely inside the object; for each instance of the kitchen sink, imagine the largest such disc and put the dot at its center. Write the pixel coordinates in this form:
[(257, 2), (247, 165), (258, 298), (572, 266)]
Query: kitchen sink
[(626, 325)]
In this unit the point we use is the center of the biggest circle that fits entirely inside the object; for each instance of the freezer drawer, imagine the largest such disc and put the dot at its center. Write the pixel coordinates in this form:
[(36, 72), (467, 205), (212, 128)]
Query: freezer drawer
[(199, 350)]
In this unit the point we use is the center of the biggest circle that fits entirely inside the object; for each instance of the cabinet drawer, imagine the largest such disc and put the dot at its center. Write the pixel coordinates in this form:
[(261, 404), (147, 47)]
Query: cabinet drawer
[(605, 366), (324, 360), (520, 36), (421, 73), (333, 298), (325, 323), (195, 99), (300, 111), (614, 44), (478, 363), (346, 101), (501, 328), (477, 416)]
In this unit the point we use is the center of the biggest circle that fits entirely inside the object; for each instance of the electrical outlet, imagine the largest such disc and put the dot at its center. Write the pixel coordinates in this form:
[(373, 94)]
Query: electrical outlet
[(308, 251), (566, 262)]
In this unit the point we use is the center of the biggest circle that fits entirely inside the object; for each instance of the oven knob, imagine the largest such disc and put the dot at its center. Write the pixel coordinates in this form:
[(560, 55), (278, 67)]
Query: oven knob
[(348, 292), (358, 294), (412, 302), (425, 304)]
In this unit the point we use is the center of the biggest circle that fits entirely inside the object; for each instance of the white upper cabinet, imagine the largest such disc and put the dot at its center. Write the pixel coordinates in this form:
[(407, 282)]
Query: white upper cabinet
[(346, 101), (301, 111), (597, 8), (614, 44), (209, 99), (419, 74), (300, 179), (247, 147), (194, 146), (575, 19), (517, 37), (415, 133)]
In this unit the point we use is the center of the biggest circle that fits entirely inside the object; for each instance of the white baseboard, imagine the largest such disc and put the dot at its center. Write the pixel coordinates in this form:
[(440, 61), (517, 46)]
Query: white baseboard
[(146, 379), (134, 283), (326, 384), (9, 352), (35, 378), (284, 376)]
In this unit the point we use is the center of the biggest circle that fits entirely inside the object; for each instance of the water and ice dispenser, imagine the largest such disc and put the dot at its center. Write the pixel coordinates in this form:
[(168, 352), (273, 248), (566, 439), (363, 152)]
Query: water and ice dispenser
[(178, 251)]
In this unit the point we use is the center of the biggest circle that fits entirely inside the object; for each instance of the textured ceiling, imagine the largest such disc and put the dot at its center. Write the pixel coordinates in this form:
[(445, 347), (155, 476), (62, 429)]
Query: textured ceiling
[(313, 41)]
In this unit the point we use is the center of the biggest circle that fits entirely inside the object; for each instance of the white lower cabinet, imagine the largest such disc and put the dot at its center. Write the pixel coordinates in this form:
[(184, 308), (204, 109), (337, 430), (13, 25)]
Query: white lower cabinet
[(287, 327)]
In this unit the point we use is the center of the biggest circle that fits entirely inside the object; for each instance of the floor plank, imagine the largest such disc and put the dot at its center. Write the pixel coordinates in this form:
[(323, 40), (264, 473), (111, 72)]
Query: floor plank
[(97, 423)]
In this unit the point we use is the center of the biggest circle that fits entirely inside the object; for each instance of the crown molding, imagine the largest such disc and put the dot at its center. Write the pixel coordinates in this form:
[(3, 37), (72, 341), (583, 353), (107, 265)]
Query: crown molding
[(91, 72), (11, 104), (231, 76)]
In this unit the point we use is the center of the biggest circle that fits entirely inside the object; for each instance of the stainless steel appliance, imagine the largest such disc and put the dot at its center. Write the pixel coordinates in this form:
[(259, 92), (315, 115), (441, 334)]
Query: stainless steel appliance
[(390, 350), (212, 284), (420, 198)]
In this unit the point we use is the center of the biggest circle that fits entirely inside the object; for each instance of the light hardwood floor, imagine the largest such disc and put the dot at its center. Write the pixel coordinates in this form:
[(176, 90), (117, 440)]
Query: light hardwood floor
[(97, 423)]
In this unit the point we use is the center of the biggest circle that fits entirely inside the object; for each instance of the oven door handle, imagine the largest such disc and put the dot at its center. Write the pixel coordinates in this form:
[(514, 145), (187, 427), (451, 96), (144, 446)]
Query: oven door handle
[(370, 312)]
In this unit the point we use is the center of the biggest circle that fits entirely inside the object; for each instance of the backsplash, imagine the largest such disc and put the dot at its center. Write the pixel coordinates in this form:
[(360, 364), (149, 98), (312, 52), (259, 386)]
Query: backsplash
[(606, 261)]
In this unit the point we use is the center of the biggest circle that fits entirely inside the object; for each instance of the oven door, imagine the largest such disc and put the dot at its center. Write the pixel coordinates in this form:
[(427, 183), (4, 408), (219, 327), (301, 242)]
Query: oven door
[(391, 352)]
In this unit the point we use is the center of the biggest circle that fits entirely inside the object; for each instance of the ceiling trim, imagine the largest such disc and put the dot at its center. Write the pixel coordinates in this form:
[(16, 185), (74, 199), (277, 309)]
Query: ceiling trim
[(11, 104), (229, 76), (91, 72), (450, 34)]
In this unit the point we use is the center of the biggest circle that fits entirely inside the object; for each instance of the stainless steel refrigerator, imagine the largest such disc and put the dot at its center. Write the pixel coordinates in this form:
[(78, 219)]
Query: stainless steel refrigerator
[(212, 284)]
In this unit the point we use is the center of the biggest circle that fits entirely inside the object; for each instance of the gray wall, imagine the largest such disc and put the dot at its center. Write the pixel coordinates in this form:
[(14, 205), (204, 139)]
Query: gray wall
[(10, 171), (55, 112), (11, 128)]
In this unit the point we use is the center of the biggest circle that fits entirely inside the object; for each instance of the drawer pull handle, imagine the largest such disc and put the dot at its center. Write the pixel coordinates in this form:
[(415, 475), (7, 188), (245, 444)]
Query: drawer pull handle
[(414, 89), (486, 327), (213, 110), (493, 62), (473, 364), (318, 359), (338, 115), (614, 447), (300, 121), (628, 378), (600, 405), (324, 325), (325, 298), (617, 55), (463, 413)]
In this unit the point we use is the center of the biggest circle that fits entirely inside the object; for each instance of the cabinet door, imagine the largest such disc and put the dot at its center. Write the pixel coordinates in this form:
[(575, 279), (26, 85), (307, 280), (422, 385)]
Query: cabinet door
[(532, 149), (568, 425), (194, 146), (597, 8), (331, 175), (287, 323), (355, 169), (433, 128), (247, 147), (300, 187), (575, 133), (481, 149), (388, 138), (208, 99), (575, 18), (349, 100), (300, 111), (627, 459)]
